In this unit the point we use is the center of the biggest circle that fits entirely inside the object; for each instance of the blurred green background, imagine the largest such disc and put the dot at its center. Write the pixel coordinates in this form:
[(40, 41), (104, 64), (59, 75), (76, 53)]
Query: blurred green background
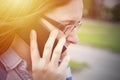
[(100, 26), (100, 34)]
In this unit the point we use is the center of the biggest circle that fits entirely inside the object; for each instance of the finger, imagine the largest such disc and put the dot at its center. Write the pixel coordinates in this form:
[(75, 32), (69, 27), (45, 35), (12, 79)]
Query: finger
[(57, 51), (34, 48), (49, 45), (63, 55), (64, 63)]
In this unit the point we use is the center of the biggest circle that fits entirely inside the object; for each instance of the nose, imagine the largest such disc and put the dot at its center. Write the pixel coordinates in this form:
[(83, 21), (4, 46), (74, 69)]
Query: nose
[(72, 38)]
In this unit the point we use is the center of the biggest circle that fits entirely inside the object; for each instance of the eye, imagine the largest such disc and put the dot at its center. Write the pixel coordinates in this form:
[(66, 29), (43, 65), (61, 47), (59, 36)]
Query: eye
[(68, 28), (78, 25)]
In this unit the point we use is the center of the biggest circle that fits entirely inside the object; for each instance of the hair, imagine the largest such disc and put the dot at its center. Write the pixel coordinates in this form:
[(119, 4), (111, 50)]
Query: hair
[(16, 14)]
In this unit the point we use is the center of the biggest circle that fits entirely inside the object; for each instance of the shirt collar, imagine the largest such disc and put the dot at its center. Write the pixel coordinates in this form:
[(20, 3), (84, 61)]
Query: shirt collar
[(10, 59)]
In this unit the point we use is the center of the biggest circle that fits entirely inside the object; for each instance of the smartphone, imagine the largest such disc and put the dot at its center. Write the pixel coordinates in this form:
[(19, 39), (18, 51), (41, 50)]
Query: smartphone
[(42, 34)]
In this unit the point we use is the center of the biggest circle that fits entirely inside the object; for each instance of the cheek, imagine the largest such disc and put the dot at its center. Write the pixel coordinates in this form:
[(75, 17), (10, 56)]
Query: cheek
[(74, 33)]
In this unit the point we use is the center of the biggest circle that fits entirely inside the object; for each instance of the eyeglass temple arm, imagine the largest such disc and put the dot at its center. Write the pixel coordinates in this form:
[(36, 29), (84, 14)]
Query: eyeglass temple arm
[(53, 22)]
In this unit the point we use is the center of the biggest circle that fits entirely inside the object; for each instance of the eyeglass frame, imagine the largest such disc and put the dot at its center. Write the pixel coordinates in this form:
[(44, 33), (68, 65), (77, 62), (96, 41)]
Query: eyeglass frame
[(62, 27)]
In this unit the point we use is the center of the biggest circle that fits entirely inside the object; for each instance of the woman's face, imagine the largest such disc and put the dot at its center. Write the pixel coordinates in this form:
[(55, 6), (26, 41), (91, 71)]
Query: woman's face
[(68, 14)]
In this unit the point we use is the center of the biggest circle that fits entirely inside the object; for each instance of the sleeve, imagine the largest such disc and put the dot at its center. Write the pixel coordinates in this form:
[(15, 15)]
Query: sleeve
[(3, 72), (68, 75)]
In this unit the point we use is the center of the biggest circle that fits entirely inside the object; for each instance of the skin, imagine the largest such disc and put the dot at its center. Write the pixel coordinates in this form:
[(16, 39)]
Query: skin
[(69, 14), (43, 67)]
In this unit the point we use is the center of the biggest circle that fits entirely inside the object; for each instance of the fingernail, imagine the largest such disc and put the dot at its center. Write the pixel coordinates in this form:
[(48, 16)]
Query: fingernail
[(32, 34), (55, 31)]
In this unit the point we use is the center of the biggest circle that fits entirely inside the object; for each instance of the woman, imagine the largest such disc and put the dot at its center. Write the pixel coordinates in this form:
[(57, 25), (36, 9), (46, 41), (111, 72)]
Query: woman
[(22, 58)]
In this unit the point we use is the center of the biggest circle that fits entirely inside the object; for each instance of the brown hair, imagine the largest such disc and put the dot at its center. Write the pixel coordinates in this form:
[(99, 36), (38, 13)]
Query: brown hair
[(17, 14)]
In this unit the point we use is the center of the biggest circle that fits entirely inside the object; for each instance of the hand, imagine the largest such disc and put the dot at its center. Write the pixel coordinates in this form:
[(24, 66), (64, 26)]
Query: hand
[(47, 67)]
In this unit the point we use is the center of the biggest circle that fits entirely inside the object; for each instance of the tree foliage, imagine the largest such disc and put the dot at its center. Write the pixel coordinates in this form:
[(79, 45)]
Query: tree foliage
[(116, 12)]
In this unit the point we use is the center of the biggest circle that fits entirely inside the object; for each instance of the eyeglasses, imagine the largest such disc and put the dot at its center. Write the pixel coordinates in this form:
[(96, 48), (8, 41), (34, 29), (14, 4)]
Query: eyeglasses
[(66, 29)]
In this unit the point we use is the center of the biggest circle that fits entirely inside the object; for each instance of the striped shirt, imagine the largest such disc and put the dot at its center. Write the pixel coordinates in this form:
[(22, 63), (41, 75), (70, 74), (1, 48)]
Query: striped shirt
[(13, 67)]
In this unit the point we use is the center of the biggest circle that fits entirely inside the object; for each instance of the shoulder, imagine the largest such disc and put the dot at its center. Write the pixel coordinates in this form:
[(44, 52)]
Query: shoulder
[(3, 72)]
